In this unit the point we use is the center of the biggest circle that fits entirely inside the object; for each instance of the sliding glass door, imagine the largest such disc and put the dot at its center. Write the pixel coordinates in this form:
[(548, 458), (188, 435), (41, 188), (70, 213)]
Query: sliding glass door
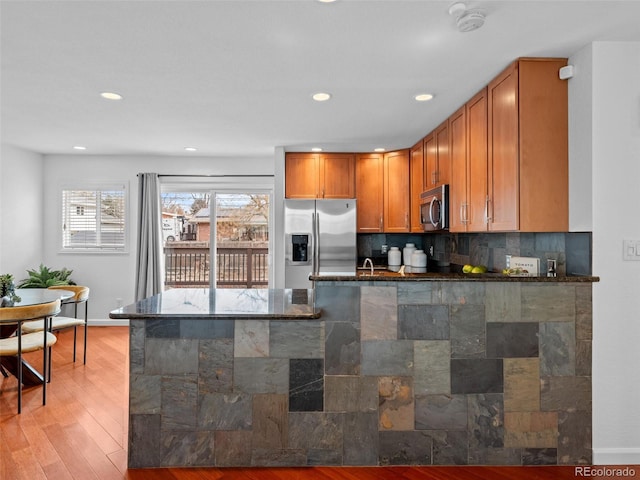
[(216, 237), (240, 226)]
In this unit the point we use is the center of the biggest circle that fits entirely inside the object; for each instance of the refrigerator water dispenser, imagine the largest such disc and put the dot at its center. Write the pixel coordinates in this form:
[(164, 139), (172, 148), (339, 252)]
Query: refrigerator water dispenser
[(300, 248)]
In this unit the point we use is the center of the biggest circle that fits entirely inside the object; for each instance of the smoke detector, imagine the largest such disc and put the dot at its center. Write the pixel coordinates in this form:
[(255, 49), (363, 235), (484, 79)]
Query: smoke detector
[(466, 20)]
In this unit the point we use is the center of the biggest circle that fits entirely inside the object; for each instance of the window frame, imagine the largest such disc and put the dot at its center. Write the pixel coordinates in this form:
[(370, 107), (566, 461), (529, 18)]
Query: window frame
[(63, 213)]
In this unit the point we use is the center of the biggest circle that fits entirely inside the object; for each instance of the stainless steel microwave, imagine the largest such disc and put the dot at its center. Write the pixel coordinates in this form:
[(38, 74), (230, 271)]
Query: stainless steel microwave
[(434, 209)]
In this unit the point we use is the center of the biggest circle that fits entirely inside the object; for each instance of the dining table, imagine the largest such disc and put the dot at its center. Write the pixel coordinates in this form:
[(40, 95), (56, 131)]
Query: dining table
[(28, 296)]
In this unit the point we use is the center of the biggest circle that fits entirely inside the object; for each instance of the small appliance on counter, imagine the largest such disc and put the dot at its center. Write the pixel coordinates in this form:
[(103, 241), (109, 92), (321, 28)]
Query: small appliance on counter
[(407, 251), (394, 259), (418, 261), (320, 239)]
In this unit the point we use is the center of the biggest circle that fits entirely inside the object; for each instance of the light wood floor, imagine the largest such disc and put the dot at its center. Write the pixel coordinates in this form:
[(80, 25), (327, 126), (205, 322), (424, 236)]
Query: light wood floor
[(81, 432)]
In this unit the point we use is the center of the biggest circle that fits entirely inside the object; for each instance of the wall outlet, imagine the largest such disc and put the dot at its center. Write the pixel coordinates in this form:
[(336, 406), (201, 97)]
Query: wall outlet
[(551, 268), (507, 261), (630, 250)]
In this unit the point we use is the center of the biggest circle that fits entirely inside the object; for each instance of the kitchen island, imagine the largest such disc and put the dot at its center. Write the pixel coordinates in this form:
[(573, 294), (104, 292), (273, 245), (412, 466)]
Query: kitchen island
[(364, 371)]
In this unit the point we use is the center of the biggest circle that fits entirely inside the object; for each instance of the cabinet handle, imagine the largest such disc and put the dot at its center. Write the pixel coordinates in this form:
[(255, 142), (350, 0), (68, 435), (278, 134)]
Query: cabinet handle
[(487, 218), (381, 223), (406, 220), (464, 213), (433, 178)]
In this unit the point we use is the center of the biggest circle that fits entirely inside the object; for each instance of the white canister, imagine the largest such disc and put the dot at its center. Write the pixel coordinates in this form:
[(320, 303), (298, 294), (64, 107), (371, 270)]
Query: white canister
[(408, 250), (418, 262), (394, 257)]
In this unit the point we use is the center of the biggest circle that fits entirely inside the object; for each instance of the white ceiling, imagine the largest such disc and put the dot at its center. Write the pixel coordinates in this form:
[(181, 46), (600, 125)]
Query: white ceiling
[(235, 78)]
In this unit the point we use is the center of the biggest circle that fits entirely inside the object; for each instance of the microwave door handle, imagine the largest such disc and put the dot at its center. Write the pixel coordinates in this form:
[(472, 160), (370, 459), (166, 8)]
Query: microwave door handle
[(433, 200)]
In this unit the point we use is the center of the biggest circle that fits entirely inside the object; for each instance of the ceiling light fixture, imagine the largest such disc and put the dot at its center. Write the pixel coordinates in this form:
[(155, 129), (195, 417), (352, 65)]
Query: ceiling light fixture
[(316, 149), (423, 97), (321, 96), (79, 147), (379, 149), (191, 149), (466, 20), (111, 96), (326, 1)]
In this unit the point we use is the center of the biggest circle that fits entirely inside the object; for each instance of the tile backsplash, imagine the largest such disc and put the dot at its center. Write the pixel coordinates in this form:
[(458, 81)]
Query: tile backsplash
[(571, 250)]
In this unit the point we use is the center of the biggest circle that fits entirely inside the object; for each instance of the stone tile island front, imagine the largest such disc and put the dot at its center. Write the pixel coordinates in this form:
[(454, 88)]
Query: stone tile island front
[(359, 371)]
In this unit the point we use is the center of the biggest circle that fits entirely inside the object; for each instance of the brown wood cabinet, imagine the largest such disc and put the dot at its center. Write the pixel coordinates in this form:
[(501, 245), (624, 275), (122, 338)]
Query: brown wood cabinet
[(382, 192), (369, 192), (504, 154), (528, 148), (438, 163), (468, 150), (459, 171), (475, 211), (396, 195), (417, 184), (314, 175)]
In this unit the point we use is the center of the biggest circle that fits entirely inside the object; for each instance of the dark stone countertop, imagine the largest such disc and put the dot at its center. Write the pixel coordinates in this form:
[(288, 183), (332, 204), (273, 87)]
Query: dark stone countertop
[(389, 276), (223, 304)]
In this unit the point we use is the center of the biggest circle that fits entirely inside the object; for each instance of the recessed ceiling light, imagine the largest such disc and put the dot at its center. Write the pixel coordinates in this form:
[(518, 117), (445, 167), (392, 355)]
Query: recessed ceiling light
[(326, 1), (423, 97), (316, 149), (191, 149), (321, 96), (79, 147), (111, 96), (379, 149)]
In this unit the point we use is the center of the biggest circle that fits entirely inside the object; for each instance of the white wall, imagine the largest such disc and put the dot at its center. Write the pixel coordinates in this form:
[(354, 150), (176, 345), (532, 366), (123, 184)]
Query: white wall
[(614, 142), (580, 145), (21, 211), (112, 276)]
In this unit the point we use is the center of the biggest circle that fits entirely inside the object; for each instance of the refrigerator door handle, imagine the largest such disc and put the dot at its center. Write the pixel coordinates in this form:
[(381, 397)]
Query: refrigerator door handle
[(314, 239)]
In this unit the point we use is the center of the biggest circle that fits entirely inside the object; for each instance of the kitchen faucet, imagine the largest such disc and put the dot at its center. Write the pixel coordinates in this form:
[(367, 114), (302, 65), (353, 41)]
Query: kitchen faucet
[(370, 262)]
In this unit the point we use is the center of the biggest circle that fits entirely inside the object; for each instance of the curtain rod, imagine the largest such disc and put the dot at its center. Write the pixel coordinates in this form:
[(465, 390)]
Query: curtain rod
[(208, 176)]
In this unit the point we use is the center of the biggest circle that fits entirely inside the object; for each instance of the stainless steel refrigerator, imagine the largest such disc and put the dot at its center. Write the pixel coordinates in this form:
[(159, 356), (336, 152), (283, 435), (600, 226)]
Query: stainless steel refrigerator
[(320, 238)]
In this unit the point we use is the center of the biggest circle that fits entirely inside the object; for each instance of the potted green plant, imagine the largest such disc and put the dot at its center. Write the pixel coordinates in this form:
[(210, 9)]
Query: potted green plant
[(45, 277), (7, 291)]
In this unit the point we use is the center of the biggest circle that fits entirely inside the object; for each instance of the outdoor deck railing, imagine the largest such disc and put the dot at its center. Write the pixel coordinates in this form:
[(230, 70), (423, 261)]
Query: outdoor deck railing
[(236, 267)]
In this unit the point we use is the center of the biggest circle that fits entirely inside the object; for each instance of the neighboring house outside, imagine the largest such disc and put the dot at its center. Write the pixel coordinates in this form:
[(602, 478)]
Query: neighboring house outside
[(233, 224)]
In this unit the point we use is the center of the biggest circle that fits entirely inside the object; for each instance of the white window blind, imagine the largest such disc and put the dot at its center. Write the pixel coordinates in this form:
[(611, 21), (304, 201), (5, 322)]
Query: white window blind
[(94, 218)]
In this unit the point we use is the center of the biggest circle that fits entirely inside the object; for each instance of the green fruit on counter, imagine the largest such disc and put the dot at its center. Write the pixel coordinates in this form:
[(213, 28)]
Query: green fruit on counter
[(467, 269), (479, 269)]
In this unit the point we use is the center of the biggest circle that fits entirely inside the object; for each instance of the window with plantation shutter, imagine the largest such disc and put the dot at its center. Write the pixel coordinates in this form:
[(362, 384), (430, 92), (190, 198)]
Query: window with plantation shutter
[(94, 218)]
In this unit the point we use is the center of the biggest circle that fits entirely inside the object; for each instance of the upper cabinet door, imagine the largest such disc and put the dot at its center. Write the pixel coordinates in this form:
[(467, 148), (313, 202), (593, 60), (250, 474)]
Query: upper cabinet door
[(311, 175), (430, 151), (458, 192), (476, 207), (396, 192), (504, 198), (443, 172), (416, 175), (301, 173), (369, 192), (337, 175)]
